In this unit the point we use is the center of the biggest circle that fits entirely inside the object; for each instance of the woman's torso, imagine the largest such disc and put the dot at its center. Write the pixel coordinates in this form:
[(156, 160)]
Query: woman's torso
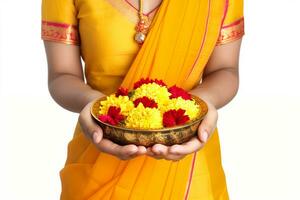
[(108, 46)]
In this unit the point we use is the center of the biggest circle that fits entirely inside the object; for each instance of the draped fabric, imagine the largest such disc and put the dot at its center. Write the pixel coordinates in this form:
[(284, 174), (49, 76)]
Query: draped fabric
[(181, 39)]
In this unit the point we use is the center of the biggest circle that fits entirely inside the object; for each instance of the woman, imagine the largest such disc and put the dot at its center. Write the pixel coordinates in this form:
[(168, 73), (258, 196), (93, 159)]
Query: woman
[(194, 44)]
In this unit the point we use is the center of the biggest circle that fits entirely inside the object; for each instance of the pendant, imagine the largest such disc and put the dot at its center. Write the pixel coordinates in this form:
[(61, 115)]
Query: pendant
[(140, 37), (142, 29)]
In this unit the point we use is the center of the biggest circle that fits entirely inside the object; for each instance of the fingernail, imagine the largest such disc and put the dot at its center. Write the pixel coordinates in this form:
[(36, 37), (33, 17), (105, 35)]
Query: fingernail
[(96, 137), (204, 136)]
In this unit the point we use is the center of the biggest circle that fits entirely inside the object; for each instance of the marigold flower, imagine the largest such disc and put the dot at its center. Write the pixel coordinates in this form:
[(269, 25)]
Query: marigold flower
[(156, 92), (121, 101), (191, 108), (144, 118), (113, 116), (107, 119), (179, 92), (146, 81), (122, 92), (147, 102), (151, 105), (174, 117)]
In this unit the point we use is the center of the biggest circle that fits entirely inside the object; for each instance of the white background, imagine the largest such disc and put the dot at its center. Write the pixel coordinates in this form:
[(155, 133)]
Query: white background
[(259, 129)]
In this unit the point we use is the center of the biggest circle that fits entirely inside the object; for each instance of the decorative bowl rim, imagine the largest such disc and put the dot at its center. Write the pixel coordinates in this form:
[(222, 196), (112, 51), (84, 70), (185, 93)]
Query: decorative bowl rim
[(200, 102)]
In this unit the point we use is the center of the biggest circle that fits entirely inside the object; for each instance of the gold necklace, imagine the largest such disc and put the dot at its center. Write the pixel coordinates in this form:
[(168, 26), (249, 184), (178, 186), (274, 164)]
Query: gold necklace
[(143, 25)]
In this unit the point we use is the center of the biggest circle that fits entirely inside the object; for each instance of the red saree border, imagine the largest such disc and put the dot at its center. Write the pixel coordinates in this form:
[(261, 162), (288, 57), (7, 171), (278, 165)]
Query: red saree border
[(60, 32), (231, 32), (186, 196), (203, 40), (225, 11)]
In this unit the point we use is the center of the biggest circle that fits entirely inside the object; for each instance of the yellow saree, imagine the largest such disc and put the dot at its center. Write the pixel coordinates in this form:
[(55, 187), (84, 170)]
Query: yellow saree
[(182, 37)]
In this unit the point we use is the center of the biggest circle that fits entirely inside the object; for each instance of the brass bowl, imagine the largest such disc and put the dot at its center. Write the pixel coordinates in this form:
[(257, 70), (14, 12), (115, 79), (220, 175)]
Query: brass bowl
[(148, 137)]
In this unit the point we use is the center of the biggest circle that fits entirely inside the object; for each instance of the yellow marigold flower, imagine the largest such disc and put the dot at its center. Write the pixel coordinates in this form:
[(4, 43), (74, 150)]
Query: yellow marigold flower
[(191, 108), (121, 101), (144, 118), (154, 91)]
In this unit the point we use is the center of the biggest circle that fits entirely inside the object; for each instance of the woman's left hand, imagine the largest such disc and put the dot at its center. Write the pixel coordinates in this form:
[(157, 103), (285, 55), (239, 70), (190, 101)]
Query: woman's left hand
[(177, 152)]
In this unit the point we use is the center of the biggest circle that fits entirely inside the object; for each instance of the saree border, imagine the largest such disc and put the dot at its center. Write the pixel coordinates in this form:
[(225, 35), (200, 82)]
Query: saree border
[(225, 11), (203, 40), (60, 32), (231, 32), (186, 196)]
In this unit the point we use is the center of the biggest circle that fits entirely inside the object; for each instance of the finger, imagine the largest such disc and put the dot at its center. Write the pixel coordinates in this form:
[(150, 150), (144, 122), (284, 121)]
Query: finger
[(152, 154), (123, 152), (97, 136), (207, 125), (141, 150), (186, 148), (89, 127), (166, 157), (162, 152), (160, 149), (149, 152), (128, 151), (171, 157)]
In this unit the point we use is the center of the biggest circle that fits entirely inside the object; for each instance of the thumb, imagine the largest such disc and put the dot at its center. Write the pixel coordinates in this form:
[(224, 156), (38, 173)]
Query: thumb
[(91, 129), (207, 126), (97, 136)]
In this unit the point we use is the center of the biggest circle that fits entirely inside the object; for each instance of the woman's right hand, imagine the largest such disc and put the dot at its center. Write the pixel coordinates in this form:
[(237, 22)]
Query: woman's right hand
[(95, 133)]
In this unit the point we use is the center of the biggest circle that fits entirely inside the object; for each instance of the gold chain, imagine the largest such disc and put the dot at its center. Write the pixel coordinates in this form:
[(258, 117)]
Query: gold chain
[(141, 8)]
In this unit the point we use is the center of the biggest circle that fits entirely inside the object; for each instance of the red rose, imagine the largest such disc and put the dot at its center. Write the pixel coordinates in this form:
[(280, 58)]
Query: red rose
[(113, 116), (174, 117), (146, 81), (122, 92), (147, 102), (179, 92)]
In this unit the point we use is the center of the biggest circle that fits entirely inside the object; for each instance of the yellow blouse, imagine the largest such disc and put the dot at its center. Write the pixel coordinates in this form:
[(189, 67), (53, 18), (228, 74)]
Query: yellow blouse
[(105, 30)]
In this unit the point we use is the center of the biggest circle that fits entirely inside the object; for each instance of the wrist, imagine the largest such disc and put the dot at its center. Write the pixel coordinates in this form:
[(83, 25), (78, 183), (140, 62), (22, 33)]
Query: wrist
[(91, 96), (204, 97)]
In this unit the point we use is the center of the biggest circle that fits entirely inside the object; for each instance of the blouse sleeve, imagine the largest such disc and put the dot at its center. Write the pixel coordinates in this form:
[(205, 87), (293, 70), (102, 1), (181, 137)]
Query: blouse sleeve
[(233, 24), (59, 21)]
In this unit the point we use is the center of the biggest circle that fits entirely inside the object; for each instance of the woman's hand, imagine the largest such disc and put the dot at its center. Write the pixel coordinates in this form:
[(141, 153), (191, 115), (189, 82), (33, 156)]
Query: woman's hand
[(177, 152), (95, 134)]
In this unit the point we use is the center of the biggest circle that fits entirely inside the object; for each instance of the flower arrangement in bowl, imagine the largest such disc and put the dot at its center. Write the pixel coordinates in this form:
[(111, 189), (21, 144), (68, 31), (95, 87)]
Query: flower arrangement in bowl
[(151, 113)]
